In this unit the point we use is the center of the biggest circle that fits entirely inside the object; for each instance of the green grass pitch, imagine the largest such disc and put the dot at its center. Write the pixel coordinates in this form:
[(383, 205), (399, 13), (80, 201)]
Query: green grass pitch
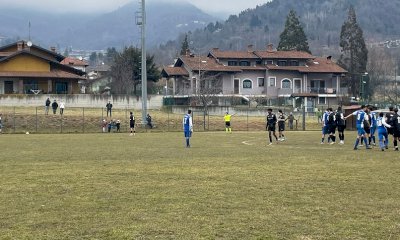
[(226, 186)]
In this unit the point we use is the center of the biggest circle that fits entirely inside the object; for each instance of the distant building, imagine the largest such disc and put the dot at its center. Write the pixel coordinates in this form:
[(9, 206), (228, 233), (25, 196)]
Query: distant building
[(99, 79), (77, 63), (26, 68), (285, 75)]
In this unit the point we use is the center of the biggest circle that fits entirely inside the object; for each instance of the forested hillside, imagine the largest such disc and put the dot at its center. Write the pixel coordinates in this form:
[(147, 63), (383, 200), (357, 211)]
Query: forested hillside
[(321, 19)]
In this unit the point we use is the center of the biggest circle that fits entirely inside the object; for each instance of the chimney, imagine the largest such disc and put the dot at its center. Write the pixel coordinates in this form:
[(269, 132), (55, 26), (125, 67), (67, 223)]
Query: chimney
[(270, 47), (329, 59), (187, 52), (20, 46), (250, 48), (53, 49)]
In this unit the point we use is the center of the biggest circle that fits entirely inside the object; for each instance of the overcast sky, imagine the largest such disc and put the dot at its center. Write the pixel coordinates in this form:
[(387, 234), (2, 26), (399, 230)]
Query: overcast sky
[(211, 6)]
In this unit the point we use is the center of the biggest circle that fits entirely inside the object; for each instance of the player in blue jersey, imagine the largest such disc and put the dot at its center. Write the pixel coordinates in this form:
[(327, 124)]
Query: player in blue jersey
[(382, 127), (325, 127), (188, 127), (360, 122)]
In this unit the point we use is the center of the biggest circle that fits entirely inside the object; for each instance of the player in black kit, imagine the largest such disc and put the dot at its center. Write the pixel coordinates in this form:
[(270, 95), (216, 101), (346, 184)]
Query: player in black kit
[(396, 128), (271, 124), (281, 125)]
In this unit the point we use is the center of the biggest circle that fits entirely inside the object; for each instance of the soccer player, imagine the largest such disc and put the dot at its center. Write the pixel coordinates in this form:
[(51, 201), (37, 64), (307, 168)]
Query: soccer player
[(281, 125), (372, 119), (331, 125), (390, 121), (227, 119), (132, 124), (360, 126), (188, 127), (271, 125), (382, 127), (325, 129), (341, 124), (396, 128)]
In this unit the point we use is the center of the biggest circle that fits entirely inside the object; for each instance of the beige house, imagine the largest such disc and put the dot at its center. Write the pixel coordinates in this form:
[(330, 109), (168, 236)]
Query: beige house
[(284, 75)]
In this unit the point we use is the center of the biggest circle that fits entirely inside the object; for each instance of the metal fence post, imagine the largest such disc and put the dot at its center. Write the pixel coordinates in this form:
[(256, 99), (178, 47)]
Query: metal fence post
[(168, 119), (14, 120), (83, 115), (61, 123), (36, 126)]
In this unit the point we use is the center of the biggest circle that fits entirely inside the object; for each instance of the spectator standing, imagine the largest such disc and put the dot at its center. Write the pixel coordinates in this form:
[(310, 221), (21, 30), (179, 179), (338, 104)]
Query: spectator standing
[(62, 106), (291, 119), (54, 106), (47, 106), (109, 108), (132, 124)]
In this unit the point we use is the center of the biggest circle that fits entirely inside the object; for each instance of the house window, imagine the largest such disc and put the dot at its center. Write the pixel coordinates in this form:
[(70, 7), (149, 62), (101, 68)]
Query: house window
[(294, 63), (232, 63), (261, 82), (282, 63), (286, 83), (258, 62), (322, 100), (271, 81), (247, 83), (244, 63), (270, 62), (30, 85)]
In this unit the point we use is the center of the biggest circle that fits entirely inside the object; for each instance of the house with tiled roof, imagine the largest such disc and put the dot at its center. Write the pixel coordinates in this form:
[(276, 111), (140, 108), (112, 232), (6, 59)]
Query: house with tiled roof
[(26, 68), (77, 63), (278, 75)]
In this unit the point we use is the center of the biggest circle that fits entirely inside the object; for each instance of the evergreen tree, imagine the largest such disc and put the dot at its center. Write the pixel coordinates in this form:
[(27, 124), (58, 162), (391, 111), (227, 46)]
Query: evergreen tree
[(354, 55), (293, 36), (185, 45)]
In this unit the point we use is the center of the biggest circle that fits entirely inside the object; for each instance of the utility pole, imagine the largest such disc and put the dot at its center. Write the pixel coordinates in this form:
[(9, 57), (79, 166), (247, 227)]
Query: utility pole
[(141, 21)]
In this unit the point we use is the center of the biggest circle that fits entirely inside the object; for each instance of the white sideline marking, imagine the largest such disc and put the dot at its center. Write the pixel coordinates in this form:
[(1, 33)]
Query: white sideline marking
[(246, 143)]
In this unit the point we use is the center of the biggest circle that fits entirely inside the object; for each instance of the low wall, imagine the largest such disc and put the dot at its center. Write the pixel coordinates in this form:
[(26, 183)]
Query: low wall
[(82, 100)]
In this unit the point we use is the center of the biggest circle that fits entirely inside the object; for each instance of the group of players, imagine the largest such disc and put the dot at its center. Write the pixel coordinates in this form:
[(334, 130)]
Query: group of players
[(367, 123)]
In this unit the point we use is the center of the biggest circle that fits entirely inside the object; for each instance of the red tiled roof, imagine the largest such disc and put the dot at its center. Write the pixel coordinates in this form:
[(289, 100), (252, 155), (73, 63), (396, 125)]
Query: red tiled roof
[(52, 74), (74, 62), (196, 63), (317, 65), (234, 54), (283, 54), (175, 71)]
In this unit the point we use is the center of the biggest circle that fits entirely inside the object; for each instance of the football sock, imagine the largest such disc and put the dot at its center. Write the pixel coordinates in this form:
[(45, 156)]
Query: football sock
[(365, 141), (395, 143), (369, 140), (187, 142), (356, 143), (333, 138)]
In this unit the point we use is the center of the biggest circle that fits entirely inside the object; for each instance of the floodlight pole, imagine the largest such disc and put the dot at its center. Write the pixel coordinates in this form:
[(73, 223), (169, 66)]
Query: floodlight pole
[(144, 60)]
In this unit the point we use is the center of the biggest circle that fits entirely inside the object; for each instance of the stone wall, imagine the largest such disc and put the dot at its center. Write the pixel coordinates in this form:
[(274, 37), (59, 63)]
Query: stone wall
[(82, 100)]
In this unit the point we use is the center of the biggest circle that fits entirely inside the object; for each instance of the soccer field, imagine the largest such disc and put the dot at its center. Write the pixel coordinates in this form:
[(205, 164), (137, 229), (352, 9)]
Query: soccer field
[(226, 186)]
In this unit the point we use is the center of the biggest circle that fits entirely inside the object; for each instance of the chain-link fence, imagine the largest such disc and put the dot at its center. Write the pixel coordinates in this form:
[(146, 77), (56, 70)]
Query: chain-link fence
[(90, 120)]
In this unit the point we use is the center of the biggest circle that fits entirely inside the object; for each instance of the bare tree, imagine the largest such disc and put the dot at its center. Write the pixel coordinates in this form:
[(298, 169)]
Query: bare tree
[(210, 87), (381, 69)]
